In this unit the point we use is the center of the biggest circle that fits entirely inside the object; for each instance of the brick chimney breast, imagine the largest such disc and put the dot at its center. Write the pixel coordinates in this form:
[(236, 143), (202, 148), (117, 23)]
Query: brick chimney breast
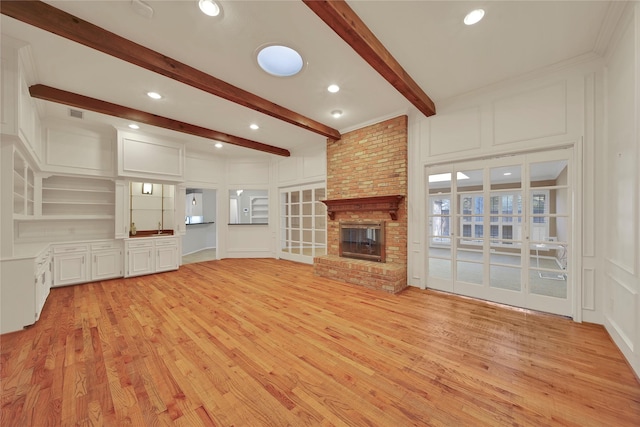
[(368, 162)]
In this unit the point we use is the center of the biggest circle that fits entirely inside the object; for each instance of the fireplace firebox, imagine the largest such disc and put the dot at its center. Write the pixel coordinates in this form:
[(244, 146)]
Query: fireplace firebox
[(362, 240)]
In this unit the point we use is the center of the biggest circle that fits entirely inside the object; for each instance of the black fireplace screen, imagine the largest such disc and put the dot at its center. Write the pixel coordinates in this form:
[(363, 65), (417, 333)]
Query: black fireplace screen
[(362, 240)]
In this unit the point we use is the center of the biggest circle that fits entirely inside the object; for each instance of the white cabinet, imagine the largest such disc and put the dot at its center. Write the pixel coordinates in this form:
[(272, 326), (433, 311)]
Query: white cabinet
[(106, 260), (24, 286), (151, 255), (19, 115), (166, 250), (150, 157), (139, 257), (43, 281), (70, 264)]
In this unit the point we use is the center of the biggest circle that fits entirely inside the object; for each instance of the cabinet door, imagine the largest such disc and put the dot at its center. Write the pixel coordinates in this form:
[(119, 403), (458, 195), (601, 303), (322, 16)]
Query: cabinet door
[(43, 282), (140, 261), (70, 268), (166, 258), (106, 265)]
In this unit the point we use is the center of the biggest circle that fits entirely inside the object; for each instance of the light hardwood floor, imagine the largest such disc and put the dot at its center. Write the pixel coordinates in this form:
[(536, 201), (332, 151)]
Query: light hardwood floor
[(266, 343)]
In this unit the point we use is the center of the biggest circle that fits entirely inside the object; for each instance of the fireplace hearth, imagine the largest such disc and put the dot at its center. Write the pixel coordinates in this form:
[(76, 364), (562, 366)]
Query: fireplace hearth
[(362, 240)]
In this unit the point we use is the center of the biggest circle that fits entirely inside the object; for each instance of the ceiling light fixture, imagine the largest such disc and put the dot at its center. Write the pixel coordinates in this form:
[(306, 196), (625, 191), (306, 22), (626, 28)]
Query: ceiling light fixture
[(474, 17), (254, 126), (209, 7), (154, 95), (333, 88), (134, 126), (218, 145), (336, 113), (506, 173), (194, 202), (280, 61)]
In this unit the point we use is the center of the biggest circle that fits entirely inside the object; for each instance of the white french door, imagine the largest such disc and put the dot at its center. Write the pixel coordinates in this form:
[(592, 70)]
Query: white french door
[(501, 230), (303, 223)]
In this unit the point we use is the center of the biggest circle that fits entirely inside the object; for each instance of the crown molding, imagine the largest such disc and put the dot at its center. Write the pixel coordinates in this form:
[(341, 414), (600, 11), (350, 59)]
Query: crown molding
[(608, 35)]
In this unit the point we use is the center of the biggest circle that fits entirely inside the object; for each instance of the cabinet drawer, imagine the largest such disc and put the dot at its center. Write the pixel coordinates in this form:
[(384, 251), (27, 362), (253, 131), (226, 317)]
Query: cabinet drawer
[(69, 249), (102, 246), (139, 244), (165, 242)]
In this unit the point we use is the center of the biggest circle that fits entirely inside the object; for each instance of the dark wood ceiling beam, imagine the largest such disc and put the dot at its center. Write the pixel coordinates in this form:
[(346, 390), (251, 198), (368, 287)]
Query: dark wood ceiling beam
[(48, 93), (56, 21), (343, 20)]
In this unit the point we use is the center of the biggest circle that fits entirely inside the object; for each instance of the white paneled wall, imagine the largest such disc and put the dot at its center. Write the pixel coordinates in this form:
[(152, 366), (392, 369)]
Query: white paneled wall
[(547, 111), (622, 189)]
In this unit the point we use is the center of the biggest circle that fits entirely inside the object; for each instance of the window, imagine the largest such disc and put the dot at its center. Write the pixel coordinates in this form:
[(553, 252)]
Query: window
[(506, 209), (439, 218), (505, 220), (539, 208), (472, 219)]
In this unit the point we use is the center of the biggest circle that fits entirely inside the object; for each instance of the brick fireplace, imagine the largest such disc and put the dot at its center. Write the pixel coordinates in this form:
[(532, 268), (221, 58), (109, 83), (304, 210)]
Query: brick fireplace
[(366, 183)]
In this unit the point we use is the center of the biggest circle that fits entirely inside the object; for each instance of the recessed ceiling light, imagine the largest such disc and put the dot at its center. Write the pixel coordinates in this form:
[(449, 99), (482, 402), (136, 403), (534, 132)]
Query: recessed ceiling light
[(474, 17), (209, 7), (154, 95), (336, 113), (134, 126), (254, 126), (218, 145), (506, 173), (333, 88), (280, 61)]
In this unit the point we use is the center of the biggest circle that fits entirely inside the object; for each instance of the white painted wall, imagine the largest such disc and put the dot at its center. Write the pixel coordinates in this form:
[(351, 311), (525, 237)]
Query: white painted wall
[(248, 240), (622, 188)]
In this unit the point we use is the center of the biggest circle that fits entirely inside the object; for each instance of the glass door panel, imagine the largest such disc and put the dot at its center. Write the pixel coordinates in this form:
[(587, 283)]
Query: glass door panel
[(471, 227), (439, 230), (303, 223), (549, 228), (505, 227)]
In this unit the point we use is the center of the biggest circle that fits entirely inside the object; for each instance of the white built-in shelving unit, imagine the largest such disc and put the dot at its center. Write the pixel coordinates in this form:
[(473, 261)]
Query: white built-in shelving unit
[(259, 210), (23, 187), (65, 197)]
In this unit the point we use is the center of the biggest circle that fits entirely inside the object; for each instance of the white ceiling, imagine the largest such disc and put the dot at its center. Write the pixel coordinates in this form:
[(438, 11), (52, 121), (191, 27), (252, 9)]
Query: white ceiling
[(445, 57)]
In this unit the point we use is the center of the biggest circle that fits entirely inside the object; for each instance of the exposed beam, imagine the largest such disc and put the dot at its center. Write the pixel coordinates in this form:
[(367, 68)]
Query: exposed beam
[(343, 20), (48, 93), (49, 18)]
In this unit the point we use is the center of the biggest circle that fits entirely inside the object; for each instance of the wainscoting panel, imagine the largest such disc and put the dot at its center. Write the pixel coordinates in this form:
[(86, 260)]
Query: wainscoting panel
[(447, 136), (86, 152), (588, 289), (537, 113)]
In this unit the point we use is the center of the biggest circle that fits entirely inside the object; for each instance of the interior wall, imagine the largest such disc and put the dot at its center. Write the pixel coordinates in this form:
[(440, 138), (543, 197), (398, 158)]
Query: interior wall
[(622, 188)]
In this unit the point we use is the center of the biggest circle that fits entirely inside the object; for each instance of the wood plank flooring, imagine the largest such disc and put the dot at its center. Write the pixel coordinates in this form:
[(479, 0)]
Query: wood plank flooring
[(266, 343)]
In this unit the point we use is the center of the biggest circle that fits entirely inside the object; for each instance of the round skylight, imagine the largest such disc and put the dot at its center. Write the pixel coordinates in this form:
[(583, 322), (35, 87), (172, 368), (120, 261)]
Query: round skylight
[(280, 61), (474, 17)]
